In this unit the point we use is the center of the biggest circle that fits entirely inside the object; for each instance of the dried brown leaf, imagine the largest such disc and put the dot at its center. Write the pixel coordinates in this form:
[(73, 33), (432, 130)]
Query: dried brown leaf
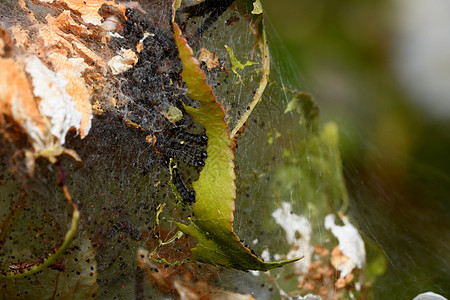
[(88, 10), (21, 38), (65, 22), (212, 61), (17, 100), (80, 95), (5, 42)]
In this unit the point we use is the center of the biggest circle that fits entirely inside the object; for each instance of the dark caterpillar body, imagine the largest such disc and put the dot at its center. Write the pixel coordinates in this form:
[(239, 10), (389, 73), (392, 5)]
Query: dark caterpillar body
[(197, 139), (187, 195), (180, 154), (184, 146)]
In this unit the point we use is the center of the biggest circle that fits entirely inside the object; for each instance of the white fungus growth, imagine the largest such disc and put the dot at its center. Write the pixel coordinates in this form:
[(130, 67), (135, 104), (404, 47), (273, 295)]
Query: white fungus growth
[(122, 62), (350, 244), (55, 103), (292, 224)]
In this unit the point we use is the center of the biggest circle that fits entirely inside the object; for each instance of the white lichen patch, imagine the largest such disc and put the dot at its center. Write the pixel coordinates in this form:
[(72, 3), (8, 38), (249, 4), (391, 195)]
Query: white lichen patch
[(350, 244)]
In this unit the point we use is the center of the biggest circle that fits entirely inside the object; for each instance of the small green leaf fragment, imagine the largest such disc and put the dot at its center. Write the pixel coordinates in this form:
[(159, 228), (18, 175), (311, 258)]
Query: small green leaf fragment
[(165, 262), (235, 63), (174, 114), (257, 8)]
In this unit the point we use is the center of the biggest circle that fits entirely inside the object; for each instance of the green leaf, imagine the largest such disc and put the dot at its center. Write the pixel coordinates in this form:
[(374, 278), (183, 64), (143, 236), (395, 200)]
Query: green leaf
[(215, 189)]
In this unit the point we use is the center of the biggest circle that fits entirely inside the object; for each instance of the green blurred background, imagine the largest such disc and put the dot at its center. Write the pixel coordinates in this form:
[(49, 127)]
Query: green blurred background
[(380, 69)]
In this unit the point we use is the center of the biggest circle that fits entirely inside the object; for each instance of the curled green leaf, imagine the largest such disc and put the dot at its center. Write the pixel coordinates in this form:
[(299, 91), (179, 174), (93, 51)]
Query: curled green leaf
[(212, 224)]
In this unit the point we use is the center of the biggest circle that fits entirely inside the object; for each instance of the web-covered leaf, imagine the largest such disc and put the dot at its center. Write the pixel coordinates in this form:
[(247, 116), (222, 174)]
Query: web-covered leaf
[(212, 223)]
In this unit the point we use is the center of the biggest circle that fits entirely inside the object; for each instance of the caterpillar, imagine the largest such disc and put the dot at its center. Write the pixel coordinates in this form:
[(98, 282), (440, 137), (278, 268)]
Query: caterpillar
[(187, 195), (173, 153), (179, 133), (182, 145)]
